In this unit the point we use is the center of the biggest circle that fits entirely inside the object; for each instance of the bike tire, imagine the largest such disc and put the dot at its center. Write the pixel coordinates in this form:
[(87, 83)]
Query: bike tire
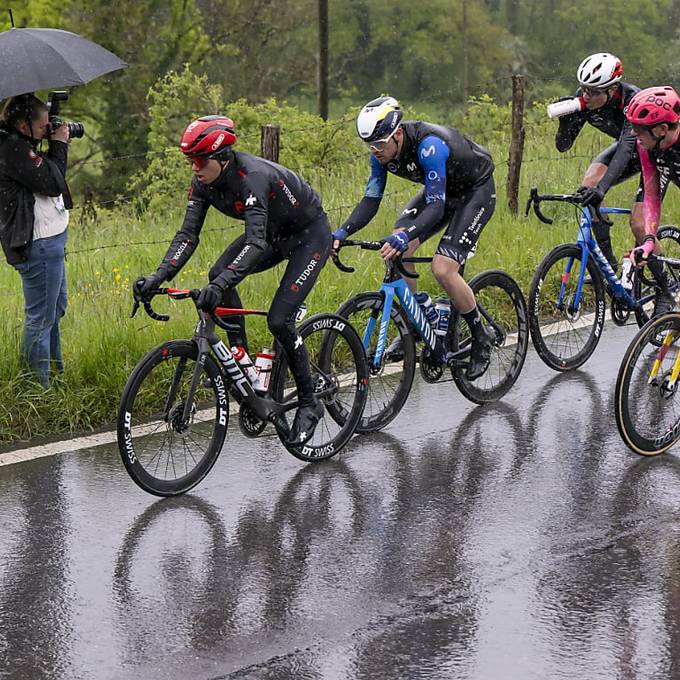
[(137, 427), (509, 310), (383, 403), (644, 407), (339, 370), (546, 321)]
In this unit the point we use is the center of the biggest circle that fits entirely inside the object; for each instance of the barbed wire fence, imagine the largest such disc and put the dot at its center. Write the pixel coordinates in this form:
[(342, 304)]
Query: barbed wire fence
[(515, 133)]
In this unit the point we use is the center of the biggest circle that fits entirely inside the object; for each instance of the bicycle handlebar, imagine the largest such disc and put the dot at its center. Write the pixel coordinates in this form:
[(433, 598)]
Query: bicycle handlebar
[(376, 245), (175, 294), (535, 199)]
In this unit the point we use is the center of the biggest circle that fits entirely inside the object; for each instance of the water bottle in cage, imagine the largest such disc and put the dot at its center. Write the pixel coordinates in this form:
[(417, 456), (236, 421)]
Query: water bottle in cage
[(627, 273), (263, 365), (443, 308), (245, 363), (425, 301)]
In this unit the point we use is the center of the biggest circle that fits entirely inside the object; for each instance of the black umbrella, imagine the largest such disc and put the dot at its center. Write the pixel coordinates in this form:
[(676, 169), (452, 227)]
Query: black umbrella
[(44, 58)]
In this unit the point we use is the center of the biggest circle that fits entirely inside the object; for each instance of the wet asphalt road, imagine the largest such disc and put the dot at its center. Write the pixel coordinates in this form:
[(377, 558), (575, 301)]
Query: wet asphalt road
[(518, 540)]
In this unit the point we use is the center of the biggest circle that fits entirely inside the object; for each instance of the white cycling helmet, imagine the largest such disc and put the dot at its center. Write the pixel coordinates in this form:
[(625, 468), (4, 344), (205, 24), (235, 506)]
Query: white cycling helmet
[(379, 119), (600, 70)]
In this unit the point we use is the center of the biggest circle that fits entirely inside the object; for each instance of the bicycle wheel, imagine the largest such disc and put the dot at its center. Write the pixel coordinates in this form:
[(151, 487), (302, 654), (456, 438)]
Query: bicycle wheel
[(565, 336), (647, 404), (390, 383), (644, 283), (340, 377), (162, 454), (501, 298)]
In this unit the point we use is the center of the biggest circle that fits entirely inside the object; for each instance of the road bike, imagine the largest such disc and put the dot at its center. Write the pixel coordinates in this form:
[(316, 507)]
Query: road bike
[(647, 404), (392, 313), (174, 410), (566, 309)]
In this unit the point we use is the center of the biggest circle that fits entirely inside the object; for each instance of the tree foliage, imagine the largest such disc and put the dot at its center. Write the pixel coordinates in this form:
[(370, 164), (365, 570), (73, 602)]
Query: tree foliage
[(432, 55)]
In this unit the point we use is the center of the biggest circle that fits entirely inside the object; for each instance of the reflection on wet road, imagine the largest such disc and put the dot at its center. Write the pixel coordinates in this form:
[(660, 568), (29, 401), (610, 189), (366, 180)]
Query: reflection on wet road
[(517, 540)]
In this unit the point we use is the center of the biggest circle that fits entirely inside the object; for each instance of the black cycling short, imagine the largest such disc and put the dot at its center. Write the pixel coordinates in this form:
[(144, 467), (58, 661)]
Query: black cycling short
[(306, 252), (633, 168), (464, 218)]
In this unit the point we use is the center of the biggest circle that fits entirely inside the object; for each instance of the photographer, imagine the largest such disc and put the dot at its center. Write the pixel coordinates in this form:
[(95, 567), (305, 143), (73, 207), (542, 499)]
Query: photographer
[(34, 218)]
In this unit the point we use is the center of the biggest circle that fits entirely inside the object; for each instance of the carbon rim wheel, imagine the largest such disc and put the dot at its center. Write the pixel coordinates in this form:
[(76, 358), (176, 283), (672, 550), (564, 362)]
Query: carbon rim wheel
[(340, 379), (647, 403), (565, 335), (390, 383), (163, 454), (501, 298)]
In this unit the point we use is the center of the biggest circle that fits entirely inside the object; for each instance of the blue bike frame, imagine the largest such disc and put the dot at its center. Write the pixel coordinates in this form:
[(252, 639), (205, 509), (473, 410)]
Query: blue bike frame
[(413, 311), (590, 248)]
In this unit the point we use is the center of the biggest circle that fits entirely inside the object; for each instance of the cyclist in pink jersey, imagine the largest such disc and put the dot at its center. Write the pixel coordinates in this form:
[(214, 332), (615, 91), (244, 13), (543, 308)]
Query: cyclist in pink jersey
[(654, 115)]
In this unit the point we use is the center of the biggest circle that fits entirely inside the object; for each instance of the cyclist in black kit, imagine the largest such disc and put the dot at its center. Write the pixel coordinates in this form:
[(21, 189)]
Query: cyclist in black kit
[(284, 219), (603, 98), (459, 197)]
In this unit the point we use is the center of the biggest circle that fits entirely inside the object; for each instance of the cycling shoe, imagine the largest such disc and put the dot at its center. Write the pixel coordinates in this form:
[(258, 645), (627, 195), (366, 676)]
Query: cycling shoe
[(306, 420), (480, 354)]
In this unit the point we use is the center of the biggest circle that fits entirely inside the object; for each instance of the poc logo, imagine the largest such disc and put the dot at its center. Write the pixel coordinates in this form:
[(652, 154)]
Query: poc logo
[(659, 102), (217, 142)]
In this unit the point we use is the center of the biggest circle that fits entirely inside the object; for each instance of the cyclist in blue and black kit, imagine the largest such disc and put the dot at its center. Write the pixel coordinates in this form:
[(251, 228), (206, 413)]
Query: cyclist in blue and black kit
[(459, 197)]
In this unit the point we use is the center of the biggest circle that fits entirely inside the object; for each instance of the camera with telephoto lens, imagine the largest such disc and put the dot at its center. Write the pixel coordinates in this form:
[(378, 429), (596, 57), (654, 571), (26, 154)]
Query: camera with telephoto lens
[(54, 99)]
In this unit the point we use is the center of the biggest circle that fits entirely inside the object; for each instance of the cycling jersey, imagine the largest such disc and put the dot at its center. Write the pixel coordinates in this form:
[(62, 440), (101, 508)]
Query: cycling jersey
[(273, 202), (660, 167), (609, 119), (441, 158)]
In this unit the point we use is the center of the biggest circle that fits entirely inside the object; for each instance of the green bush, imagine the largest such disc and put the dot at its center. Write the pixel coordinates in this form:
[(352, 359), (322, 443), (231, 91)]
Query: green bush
[(309, 144)]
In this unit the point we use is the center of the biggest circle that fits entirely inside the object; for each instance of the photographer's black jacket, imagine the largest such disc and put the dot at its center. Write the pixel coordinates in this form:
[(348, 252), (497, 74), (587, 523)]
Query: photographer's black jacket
[(272, 200), (24, 171)]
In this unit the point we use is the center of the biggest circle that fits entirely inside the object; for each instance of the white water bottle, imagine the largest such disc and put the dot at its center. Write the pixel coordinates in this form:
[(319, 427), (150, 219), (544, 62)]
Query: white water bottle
[(425, 301), (565, 107), (443, 309), (263, 365), (626, 273), (245, 363)]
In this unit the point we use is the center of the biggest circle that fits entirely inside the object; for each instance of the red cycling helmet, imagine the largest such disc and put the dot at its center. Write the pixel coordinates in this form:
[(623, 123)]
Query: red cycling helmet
[(207, 137), (654, 106)]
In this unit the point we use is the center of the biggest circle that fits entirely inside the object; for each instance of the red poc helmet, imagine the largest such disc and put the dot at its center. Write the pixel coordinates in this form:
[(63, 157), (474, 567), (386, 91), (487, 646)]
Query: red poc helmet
[(654, 106), (208, 137)]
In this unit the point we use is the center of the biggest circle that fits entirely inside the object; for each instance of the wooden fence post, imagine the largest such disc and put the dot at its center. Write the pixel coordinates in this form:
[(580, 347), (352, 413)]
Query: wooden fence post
[(516, 143), (270, 142)]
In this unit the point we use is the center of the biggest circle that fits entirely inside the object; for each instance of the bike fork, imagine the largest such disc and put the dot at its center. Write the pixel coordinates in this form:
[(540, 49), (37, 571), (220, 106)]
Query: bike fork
[(203, 350)]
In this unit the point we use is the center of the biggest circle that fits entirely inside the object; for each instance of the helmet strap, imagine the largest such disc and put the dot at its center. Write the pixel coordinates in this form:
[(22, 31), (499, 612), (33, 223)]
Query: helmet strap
[(400, 141), (673, 137)]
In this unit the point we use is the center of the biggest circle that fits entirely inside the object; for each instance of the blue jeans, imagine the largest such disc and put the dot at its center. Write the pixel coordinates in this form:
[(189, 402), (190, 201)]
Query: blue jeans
[(44, 281)]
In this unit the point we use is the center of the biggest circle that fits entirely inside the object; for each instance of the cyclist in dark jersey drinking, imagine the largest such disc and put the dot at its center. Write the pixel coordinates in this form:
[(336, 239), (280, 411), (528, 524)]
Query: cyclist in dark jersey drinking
[(459, 197), (654, 114), (284, 220), (602, 98)]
